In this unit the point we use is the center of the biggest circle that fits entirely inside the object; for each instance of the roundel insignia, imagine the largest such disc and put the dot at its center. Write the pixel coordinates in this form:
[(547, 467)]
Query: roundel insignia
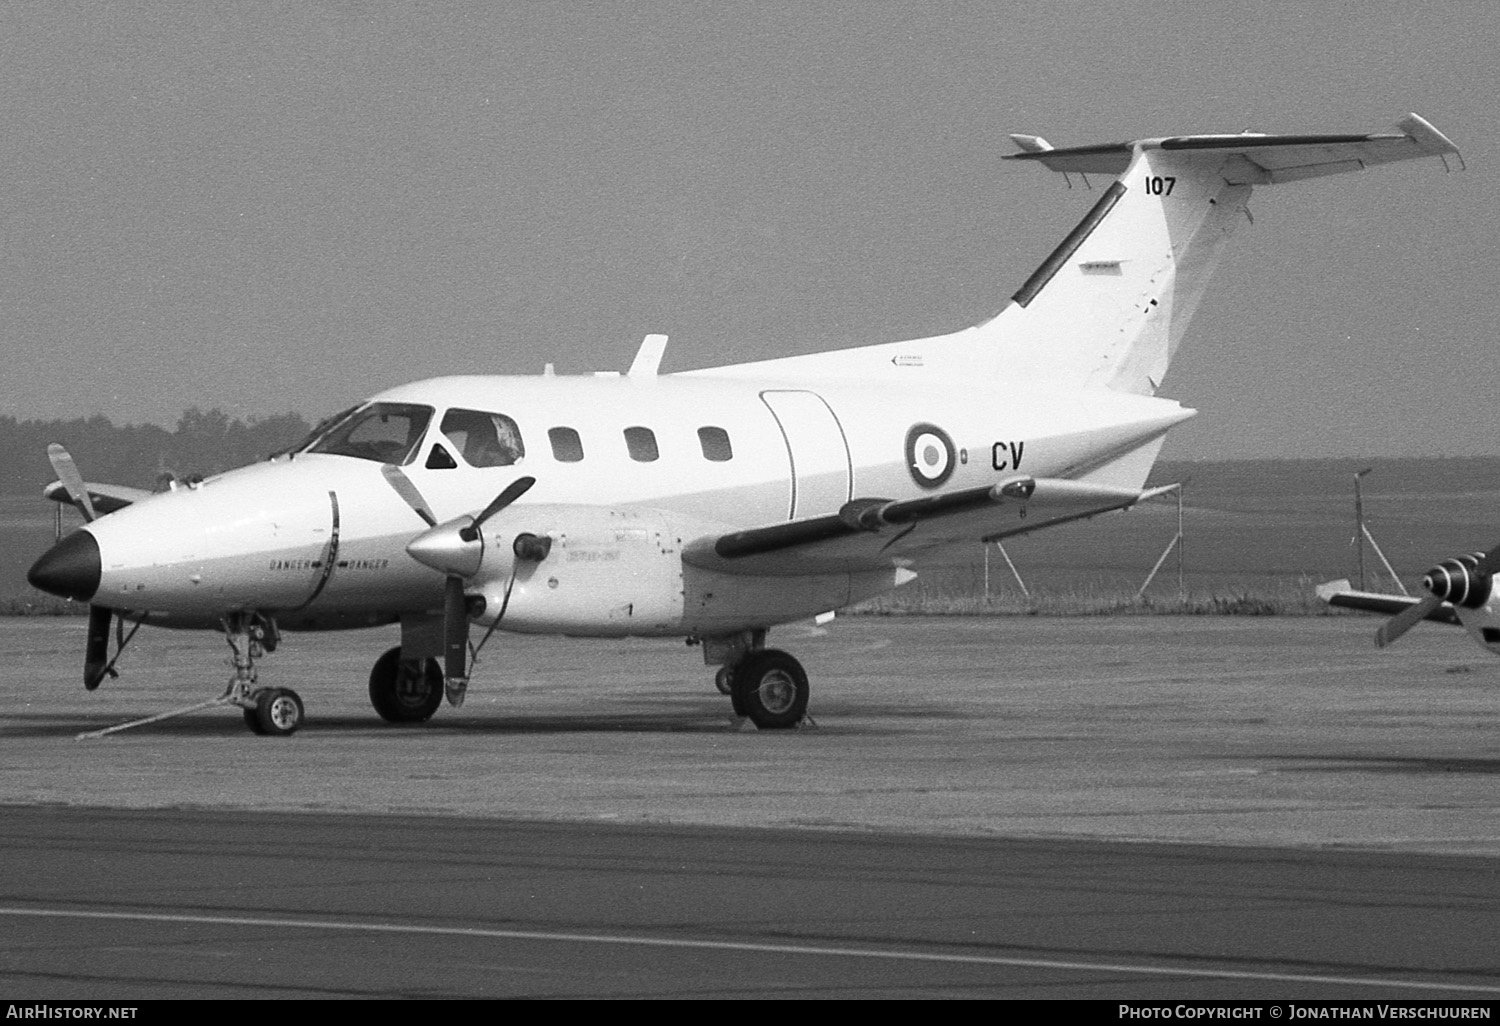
[(929, 455)]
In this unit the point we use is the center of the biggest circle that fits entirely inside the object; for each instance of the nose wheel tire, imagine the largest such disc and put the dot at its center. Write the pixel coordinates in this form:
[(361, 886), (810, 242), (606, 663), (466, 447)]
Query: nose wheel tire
[(405, 690), (277, 712), (771, 688)]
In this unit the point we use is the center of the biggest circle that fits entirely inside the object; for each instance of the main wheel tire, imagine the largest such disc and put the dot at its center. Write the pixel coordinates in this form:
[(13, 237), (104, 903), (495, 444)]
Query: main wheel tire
[(771, 688), (724, 680), (405, 690), (278, 711), (252, 720)]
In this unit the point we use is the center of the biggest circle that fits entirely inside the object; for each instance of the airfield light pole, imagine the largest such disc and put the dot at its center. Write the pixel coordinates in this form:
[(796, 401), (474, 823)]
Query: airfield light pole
[(1014, 572), (1362, 534), (1359, 524), (1175, 543)]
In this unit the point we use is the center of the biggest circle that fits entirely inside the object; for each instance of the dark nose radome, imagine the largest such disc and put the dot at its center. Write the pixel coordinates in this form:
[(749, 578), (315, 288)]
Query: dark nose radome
[(70, 568)]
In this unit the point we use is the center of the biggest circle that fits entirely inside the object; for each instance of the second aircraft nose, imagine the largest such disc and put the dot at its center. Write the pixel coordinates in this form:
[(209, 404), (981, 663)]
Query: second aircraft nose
[(71, 568)]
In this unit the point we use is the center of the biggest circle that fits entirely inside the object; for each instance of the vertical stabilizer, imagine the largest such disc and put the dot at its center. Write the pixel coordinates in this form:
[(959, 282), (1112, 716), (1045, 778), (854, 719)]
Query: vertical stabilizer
[(1110, 305)]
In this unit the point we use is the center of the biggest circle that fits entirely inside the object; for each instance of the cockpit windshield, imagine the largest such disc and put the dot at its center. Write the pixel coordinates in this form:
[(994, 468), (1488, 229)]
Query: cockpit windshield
[(384, 432)]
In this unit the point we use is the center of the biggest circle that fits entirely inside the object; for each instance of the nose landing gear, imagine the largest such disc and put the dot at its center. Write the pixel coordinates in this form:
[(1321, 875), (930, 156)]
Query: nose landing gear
[(273, 711), (277, 711)]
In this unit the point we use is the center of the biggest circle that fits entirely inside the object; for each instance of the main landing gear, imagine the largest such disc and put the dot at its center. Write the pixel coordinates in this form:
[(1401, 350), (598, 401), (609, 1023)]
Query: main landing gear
[(764, 685), (405, 690)]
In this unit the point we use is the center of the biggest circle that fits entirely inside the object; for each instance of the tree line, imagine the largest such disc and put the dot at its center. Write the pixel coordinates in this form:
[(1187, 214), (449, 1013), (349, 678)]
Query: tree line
[(141, 455)]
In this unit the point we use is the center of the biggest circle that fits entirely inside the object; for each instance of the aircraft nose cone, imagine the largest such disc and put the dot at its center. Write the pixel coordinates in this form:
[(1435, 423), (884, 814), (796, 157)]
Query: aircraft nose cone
[(70, 568)]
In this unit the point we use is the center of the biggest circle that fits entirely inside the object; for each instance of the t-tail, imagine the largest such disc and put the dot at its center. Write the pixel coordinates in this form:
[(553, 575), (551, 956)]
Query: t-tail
[(1110, 306)]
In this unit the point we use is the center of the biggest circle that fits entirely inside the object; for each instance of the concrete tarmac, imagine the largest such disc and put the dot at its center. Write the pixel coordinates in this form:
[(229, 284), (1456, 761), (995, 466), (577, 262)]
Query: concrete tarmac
[(975, 814), (133, 904), (1224, 730)]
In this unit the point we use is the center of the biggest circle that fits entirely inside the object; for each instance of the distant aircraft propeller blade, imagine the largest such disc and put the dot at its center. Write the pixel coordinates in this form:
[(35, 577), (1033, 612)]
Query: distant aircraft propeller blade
[(408, 491), (1405, 620), (1489, 562), (67, 472)]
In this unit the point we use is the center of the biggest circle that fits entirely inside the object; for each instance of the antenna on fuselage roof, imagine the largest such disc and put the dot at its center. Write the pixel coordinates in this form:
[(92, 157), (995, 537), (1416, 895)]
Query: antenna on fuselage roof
[(648, 357)]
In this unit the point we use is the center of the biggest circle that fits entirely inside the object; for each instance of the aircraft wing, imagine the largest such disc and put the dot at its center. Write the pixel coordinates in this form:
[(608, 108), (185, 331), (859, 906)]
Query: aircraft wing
[(1339, 593), (873, 534), (106, 497)]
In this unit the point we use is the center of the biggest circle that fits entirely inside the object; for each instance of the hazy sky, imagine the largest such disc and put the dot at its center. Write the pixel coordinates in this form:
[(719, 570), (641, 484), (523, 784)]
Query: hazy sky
[(287, 206)]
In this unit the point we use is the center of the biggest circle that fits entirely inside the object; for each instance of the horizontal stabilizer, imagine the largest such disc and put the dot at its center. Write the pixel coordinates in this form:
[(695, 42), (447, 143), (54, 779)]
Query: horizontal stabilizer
[(1339, 593), (106, 497), (1254, 159)]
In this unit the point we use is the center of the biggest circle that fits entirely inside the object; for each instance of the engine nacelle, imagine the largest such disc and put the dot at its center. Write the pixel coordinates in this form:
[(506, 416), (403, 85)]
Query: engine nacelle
[(601, 570), (598, 571)]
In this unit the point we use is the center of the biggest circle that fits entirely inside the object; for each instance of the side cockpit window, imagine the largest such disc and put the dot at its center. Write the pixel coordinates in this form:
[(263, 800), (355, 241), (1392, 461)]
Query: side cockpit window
[(384, 432), (483, 439)]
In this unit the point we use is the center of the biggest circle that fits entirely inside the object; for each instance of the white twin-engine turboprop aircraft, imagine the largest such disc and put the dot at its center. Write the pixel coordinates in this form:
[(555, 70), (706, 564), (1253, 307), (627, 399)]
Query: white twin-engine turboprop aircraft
[(712, 504)]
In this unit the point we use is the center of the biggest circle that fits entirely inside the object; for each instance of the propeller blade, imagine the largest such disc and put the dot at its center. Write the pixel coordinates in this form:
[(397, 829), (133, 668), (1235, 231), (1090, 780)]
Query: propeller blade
[(96, 649), (1489, 563), (1405, 620), (455, 640), (513, 491), (67, 472), (408, 491)]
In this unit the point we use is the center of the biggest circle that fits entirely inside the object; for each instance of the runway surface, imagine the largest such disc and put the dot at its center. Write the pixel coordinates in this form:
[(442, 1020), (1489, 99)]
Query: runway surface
[(953, 825), (175, 904)]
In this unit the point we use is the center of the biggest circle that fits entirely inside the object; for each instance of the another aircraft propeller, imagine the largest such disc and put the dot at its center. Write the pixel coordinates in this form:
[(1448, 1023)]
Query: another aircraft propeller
[(96, 664), (1465, 581), (67, 472)]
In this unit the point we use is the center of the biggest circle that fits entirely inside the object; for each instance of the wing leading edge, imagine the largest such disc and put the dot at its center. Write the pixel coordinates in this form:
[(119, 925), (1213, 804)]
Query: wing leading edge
[(1340, 593), (871, 534)]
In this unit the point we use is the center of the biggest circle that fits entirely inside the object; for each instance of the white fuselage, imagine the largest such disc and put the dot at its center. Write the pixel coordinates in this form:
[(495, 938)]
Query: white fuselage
[(716, 455)]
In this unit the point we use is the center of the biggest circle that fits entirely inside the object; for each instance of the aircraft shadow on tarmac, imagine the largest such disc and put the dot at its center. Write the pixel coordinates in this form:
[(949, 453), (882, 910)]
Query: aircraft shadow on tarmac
[(227, 724), (1414, 765), (664, 713)]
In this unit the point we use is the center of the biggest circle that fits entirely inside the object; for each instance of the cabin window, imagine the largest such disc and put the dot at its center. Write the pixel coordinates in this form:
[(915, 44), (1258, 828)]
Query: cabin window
[(383, 432), (484, 439), (642, 444), (715, 442), (567, 447)]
